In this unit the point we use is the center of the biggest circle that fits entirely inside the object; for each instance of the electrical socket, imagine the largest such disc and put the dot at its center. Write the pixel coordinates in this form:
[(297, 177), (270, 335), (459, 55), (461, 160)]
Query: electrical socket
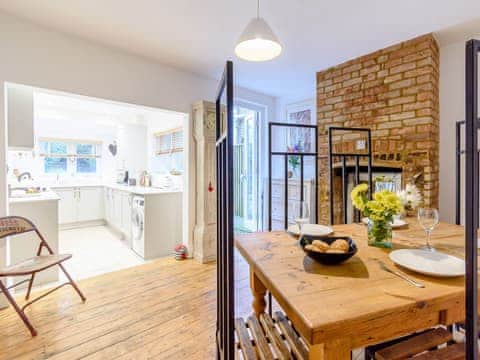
[(361, 144)]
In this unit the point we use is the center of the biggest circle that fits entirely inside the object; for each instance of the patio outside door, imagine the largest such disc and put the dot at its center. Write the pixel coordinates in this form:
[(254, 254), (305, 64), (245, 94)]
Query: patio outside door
[(246, 123)]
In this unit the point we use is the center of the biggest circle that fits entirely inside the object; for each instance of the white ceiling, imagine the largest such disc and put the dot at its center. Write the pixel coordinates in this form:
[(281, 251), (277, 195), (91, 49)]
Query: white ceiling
[(61, 106), (199, 35)]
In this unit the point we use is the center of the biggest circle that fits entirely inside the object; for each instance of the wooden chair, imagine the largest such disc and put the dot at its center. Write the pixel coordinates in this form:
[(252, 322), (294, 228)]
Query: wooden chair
[(432, 344), (265, 338), (15, 225)]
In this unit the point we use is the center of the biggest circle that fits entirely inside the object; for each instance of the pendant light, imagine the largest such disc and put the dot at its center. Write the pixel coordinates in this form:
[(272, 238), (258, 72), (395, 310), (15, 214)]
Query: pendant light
[(258, 42)]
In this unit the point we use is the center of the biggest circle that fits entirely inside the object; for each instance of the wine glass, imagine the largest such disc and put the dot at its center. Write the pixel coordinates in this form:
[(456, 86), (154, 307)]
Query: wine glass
[(301, 213), (428, 219)]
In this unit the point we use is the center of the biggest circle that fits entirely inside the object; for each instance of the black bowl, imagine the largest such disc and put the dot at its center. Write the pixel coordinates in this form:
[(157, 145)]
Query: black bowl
[(329, 258)]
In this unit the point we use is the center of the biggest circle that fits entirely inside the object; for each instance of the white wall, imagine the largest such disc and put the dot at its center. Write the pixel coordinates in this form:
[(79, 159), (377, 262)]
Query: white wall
[(452, 109), (36, 56), (132, 149)]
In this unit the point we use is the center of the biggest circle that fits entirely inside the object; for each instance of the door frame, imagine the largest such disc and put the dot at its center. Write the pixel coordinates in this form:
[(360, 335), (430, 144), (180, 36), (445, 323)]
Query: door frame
[(262, 160)]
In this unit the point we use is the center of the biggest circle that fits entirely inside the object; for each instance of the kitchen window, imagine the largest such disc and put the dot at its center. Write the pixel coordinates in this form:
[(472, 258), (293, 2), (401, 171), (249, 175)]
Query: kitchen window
[(168, 142), (66, 156)]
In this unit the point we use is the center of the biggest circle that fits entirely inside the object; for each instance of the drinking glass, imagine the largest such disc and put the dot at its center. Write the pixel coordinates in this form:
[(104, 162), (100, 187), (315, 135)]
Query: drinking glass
[(301, 213), (428, 219)]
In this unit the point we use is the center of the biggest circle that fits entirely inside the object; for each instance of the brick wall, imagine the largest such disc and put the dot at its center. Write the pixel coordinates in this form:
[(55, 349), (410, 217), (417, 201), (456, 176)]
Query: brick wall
[(393, 91)]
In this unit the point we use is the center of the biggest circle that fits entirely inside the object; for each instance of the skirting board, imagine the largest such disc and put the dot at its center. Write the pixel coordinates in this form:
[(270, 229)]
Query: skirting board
[(81, 224)]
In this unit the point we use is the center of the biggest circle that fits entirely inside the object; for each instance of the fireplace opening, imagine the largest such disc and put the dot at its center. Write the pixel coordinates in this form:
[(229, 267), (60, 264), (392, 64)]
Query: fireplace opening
[(380, 176)]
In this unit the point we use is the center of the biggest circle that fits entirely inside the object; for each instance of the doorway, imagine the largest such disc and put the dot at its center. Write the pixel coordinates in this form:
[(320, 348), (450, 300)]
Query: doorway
[(94, 162), (247, 164)]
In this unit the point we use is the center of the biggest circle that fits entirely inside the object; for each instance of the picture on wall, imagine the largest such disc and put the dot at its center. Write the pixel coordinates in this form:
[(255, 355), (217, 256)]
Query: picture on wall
[(298, 137)]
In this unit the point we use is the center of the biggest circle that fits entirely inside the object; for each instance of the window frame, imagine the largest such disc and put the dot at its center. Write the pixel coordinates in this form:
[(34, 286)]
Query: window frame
[(165, 141), (71, 155)]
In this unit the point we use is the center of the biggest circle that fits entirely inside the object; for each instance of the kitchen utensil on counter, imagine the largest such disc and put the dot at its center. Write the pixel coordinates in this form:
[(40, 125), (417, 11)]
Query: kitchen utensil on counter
[(121, 175), (145, 179), (401, 275)]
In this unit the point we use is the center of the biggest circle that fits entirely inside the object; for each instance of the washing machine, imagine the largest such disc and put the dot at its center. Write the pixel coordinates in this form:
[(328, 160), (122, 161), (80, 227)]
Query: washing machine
[(138, 222)]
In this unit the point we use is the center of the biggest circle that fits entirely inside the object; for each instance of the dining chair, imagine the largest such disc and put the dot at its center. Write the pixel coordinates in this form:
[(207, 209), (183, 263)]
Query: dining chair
[(16, 225)]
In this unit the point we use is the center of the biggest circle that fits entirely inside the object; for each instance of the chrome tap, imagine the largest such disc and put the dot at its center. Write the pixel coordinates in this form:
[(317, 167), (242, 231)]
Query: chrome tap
[(24, 176)]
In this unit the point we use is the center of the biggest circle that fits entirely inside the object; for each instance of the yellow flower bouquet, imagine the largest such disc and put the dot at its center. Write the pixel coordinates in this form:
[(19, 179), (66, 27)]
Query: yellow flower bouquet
[(380, 212)]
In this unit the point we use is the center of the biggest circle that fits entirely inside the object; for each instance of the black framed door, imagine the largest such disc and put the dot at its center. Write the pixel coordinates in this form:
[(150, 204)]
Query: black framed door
[(225, 194), (471, 197)]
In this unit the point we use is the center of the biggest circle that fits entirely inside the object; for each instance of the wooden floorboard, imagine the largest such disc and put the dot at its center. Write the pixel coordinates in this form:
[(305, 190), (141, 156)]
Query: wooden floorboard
[(161, 310)]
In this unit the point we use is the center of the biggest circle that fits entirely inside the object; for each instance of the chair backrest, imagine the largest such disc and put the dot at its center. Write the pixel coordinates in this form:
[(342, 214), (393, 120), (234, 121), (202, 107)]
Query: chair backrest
[(15, 225)]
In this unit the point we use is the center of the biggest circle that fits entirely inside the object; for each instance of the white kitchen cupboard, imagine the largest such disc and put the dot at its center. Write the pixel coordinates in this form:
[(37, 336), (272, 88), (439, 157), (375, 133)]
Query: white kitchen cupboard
[(278, 203), (118, 211), (126, 225), (20, 114), (80, 205), (67, 207), (44, 214), (108, 205), (90, 203)]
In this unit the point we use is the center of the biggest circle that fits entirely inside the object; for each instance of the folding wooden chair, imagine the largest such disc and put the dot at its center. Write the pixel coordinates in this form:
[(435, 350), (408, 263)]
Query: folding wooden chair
[(15, 225)]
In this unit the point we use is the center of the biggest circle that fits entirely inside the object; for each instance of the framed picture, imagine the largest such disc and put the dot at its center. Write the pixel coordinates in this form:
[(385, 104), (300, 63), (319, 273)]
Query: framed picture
[(301, 113)]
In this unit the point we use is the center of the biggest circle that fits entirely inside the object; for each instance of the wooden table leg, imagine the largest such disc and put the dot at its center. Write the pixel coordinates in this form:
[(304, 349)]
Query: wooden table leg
[(258, 291), (334, 350)]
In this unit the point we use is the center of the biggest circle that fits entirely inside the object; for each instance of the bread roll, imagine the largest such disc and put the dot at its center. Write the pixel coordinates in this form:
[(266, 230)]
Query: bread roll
[(340, 244), (321, 245)]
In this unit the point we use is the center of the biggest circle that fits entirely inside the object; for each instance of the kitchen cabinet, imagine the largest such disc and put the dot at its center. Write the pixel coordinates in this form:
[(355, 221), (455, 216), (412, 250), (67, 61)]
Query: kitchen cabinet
[(80, 204), (126, 222), (20, 117), (118, 210), (108, 205), (89, 204), (44, 214), (67, 211)]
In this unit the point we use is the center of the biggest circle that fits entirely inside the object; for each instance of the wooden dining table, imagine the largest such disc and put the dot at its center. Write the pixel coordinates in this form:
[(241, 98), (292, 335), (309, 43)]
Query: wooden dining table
[(338, 308)]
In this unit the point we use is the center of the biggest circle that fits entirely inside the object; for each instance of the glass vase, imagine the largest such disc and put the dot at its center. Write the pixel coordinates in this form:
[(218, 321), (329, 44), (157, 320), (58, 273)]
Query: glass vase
[(380, 233)]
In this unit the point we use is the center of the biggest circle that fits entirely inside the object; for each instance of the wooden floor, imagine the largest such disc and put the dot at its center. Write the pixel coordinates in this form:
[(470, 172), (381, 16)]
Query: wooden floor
[(160, 310)]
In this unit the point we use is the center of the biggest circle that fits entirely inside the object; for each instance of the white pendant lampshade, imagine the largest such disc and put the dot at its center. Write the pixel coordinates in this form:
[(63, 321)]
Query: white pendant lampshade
[(258, 42)]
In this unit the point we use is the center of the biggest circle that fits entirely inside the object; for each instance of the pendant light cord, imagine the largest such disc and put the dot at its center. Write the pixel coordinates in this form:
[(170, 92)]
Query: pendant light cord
[(258, 9)]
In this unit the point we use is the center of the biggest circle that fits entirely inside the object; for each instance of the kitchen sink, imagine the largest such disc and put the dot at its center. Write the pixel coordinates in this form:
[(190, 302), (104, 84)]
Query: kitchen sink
[(26, 192)]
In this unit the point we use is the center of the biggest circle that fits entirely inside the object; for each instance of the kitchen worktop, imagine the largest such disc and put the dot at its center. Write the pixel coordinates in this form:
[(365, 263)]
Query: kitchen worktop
[(140, 190), (48, 195)]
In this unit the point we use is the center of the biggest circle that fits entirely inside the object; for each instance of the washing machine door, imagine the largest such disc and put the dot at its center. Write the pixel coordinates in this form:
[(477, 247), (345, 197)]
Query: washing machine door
[(137, 230)]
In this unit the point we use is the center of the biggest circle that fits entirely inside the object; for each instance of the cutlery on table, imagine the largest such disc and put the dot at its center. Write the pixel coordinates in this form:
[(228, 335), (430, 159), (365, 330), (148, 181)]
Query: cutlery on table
[(401, 275)]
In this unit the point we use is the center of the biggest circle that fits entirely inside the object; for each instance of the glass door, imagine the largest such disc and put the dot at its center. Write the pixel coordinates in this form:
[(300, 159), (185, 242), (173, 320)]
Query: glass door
[(246, 172)]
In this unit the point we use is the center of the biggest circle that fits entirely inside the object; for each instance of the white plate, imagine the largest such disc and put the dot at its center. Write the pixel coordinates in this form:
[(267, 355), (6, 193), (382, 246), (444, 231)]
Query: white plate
[(432, 263), (397, 223), (311, 229)]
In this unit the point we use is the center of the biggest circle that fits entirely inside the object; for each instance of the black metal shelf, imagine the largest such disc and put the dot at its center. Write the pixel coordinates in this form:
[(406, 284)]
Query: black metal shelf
[(285, 155), (346, 170)]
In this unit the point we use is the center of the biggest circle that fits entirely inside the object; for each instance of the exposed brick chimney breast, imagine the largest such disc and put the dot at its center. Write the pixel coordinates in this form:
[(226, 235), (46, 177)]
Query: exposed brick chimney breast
[(393, 91)]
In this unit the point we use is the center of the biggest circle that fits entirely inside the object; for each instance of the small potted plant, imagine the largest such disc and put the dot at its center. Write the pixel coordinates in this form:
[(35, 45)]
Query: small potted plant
[(410, 198), (380, 212), (294, 160)]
